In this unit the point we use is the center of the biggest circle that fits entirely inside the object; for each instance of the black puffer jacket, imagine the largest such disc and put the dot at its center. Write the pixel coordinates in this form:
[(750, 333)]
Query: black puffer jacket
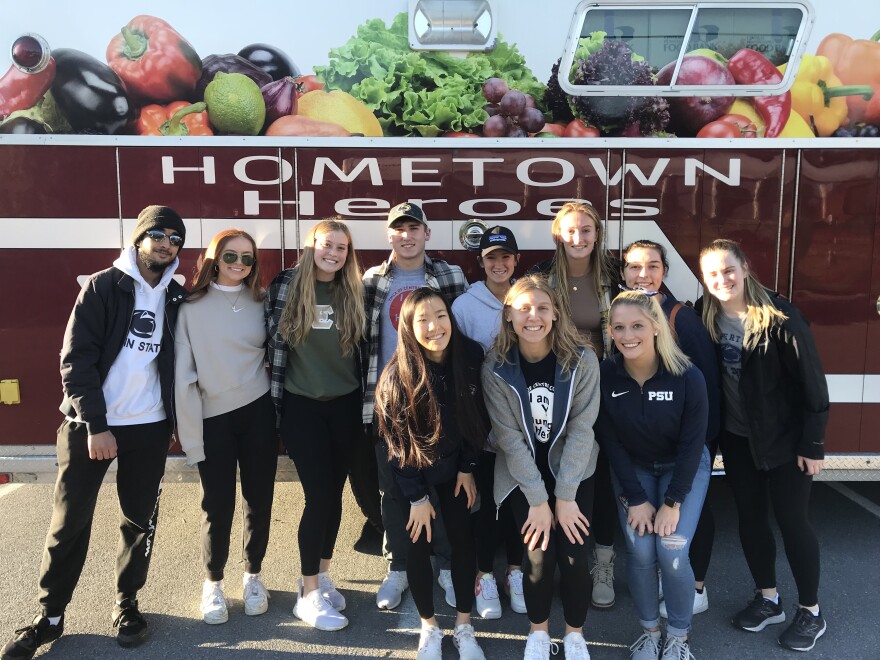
[(784, 391), (95, 333)]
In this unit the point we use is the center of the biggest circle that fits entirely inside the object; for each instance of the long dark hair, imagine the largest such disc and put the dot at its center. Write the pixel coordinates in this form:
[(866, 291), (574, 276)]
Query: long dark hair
[(409, 417), (207, 266)]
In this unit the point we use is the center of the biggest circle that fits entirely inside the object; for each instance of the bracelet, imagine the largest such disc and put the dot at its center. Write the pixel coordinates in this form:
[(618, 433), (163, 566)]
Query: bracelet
[(421, 501)]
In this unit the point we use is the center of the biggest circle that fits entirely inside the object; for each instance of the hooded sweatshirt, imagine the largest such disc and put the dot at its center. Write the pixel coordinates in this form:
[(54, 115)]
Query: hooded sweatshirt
[(478, 314), (132, 390)]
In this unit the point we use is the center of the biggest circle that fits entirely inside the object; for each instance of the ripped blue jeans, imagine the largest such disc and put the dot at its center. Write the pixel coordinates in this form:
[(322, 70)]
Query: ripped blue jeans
[(645, 554)]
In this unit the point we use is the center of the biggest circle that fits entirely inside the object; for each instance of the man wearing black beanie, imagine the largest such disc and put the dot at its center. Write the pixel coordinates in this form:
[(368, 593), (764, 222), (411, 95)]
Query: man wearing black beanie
[(117, 368)]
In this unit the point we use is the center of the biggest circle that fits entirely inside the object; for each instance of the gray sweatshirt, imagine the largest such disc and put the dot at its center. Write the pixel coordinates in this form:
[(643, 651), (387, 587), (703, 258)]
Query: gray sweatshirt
[(573, 448), (478, 313)]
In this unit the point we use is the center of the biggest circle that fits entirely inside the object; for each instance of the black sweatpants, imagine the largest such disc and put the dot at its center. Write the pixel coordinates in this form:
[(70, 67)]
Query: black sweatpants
[(244, 438), (539, 567), (319, 436), (787, 488), (141, 450), (604, 519), (490, 523), (419, 572)]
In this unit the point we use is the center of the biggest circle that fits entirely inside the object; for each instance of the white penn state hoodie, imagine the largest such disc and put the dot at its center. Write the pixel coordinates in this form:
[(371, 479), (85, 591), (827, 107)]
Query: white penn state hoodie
[(131, 390)]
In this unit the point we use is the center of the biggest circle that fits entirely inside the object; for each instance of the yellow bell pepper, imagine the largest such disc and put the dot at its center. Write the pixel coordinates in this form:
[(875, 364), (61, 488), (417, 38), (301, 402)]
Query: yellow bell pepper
[(817, 95), (796, 127)]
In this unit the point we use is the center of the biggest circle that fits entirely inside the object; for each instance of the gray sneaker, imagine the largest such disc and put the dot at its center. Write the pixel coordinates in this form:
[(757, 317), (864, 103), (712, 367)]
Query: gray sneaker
[(676, 648), (391, 590), (647, 647)]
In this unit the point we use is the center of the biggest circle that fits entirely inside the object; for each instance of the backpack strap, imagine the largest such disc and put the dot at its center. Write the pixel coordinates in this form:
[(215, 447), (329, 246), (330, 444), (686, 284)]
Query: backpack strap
[(672, 315)]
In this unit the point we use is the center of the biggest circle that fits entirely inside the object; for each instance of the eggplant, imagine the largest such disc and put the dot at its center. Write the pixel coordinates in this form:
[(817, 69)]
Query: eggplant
[(22, 126), (273, 61), (229, 63), (91, 96)]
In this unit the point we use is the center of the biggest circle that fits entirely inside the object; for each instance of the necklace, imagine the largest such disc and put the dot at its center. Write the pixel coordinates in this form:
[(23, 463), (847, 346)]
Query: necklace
[(575, 281), (234, 303)]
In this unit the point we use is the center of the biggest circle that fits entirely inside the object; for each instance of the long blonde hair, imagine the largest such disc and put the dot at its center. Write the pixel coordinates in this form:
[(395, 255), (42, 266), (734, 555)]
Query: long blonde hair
[(671, 356), (565, 341), (761, 313), (346, 291), (207, 266), (602, 267)]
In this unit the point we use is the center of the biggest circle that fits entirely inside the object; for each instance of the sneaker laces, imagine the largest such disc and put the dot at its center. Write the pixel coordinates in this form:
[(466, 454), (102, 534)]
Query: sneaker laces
[(397, 579), (603, 571), (464, 635), (539, 649), (488, 588), (515, 582), (325, 582), (677, 648), (431, 637), (646, 641), (213, 597), (254, 586), (576, 647)]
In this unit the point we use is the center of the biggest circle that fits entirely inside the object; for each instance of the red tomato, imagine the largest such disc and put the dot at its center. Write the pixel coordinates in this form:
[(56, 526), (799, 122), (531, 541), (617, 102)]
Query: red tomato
[(577, 128), (730, 126), (556, 129), (308, 83)]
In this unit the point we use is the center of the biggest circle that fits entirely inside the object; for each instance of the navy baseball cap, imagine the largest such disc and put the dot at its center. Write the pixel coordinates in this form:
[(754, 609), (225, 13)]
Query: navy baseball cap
[(496, 238)]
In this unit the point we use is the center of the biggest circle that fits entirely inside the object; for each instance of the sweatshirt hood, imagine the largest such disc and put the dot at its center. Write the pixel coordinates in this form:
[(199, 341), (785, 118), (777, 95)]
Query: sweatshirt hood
[(481, 292), (127, 263)]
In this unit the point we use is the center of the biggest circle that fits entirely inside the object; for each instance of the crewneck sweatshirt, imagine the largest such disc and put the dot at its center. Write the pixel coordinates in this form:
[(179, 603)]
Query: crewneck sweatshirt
[(220, 361)]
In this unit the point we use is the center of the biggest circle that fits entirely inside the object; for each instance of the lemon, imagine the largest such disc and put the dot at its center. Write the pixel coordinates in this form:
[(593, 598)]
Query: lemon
[(235, 104)]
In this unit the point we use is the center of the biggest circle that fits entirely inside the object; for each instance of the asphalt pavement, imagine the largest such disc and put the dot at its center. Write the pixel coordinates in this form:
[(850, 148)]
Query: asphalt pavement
[(847, 517)]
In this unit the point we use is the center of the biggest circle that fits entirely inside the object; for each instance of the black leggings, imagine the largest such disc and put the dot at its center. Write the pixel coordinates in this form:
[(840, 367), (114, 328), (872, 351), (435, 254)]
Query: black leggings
[(420, 573), (704, 536), (490, 522), (539, 567), (787, 488), (245, 439), (319, 436), (604, 520)]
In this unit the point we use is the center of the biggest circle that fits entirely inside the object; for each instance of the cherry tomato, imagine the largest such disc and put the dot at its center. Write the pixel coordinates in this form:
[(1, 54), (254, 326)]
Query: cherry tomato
[(308, 83), (730, 126), (556, 129), (459, 134), (577, 128)]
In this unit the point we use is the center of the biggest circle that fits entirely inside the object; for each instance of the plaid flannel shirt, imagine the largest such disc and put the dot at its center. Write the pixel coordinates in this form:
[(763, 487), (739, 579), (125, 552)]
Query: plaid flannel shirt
[(276, 347), (448, 280)]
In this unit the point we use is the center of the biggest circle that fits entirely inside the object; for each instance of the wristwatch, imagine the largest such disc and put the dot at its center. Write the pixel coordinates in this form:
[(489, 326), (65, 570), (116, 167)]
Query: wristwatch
[(671, 503)]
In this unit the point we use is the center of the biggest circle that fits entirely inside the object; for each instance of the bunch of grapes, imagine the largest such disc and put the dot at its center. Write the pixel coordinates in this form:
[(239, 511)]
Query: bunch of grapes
[(511, 113)]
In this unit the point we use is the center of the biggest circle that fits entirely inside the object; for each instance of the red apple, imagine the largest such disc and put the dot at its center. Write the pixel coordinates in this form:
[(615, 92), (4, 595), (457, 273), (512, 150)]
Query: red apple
[(688, 114)]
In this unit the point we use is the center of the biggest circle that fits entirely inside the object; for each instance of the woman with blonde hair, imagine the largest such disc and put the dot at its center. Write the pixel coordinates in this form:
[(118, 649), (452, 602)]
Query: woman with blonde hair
[(586, 278), (545, 460), (315, 315), (775, 411), (652, 424), (225, 417)]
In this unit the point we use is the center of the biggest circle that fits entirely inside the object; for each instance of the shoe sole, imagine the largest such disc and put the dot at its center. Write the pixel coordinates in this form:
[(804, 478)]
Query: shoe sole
[(806, 648), (256, 611), (386, 605), (215, 621), (773, 620), (602, 606), (130, 641), (491, 615), (322, 627)]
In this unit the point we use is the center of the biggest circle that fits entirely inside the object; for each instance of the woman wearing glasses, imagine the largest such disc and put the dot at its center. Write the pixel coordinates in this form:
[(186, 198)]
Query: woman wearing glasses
[(586, 278), (644, 267), (652, 424), (315, 314), (225, 417)]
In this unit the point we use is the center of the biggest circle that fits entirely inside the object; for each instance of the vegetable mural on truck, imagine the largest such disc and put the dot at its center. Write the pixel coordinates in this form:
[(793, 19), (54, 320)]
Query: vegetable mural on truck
[(154, 82)]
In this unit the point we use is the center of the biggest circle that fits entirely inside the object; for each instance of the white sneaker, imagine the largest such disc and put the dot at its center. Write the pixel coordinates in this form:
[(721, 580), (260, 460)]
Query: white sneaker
[(430, 644), (391, 590), (538, 646), (701, 603), (488, 602), (676, 648), (646, 647), (466, 642), (213, 606), (255, 595), (515, 591), (317, 611), (444, 579), (575, 646), (328, 588)]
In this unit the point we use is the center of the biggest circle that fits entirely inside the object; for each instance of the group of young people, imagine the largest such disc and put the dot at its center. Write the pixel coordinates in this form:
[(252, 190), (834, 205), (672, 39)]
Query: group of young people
[(541, 411)]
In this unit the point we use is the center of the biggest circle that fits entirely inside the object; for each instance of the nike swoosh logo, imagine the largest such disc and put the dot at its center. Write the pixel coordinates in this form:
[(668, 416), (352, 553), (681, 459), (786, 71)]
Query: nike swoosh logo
[(614, 395)]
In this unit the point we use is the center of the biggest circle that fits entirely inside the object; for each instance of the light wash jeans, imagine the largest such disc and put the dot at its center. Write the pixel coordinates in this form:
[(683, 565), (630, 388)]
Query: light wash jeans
[(645, 554)]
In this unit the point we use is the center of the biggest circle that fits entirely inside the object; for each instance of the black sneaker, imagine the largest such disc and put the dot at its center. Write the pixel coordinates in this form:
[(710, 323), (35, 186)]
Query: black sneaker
[(27, 640), (759, 614), (803, 632), (131, 627)]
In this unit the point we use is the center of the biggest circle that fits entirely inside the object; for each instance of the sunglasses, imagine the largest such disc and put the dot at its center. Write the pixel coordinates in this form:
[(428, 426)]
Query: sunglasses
[(232, 257), (158, 236), (645, 291)]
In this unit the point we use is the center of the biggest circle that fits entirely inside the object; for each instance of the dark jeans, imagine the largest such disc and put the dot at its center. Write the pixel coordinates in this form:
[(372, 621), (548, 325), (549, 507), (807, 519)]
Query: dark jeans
[(319, 436), (419, 571), (787, 489), (246, 439), (489, 523), (141, 451), (539, 567)]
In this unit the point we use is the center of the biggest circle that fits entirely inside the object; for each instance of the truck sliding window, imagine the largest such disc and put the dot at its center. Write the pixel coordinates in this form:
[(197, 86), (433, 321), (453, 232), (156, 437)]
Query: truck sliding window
[(662, 35)]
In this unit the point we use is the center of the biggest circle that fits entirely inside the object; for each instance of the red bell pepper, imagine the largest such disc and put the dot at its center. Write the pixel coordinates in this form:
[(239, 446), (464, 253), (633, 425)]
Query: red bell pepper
[(749, 67), (178, 118), (154, 62), (20, 90)]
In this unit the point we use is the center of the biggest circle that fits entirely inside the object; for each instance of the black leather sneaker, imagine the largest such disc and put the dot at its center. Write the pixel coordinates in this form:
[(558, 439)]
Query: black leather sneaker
[(130, 625), (803, 632), (27, 640), (759, 614)]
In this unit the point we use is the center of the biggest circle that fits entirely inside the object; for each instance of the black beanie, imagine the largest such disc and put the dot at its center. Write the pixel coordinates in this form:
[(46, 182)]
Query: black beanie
[(157, 217)]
